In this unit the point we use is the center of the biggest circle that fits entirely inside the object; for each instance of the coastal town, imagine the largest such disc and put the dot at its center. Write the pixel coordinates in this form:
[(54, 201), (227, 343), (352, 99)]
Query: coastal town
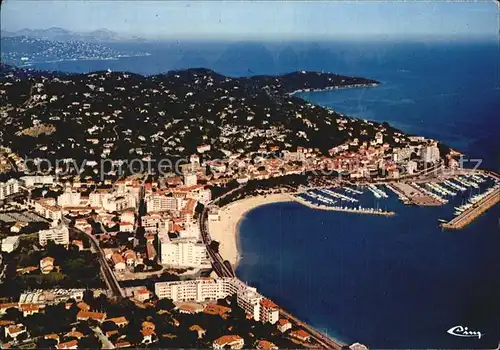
[(126, 252), (26, 50)]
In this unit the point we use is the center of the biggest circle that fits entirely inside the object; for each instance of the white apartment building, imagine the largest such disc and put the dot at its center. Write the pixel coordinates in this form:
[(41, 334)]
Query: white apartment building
[(31, 181), (191, 230), (69, 198), (192, 290), (190, 179), (10, 243), (249, 300), (183, 253), (96, 198), (430, 153), (60, 235), (208, 289), (118, 202), (8, 188), (156, 223), (411, 167), (200, 194), (269, 311), (160, 202), (402, 154), (47, 208)]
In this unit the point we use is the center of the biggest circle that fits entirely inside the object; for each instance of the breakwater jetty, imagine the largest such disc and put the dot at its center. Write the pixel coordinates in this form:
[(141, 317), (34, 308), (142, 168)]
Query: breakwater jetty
[(467, 216), (358, 210)]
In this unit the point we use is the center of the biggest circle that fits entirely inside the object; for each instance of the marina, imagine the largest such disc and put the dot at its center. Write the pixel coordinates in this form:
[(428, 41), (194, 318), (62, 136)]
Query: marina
[(433, 192)]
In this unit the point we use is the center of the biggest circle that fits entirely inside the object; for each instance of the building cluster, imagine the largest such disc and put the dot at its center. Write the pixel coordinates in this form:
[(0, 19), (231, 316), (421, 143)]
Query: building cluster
[(120, 334), (58, 234), (10, 160), (8, 188), (359, 160), (209, 289), (171, 228), (35, 302)]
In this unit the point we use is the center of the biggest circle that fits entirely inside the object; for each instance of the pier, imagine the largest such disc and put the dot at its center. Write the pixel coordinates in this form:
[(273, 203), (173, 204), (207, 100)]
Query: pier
[(402, 197), (358, 210), (467, 216), (415, 194)]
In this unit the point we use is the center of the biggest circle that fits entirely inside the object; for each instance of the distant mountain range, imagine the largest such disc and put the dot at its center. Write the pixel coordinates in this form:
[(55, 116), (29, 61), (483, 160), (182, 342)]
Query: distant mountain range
[(60, 34)]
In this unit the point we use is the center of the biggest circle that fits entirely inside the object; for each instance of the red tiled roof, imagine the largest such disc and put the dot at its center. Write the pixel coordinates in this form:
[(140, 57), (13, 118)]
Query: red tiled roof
[(123, 344), (118, 320), (83, 315), (300, 333), (227, 339), (266, 345), (268, 304), (30, 307), (117, 258), (283, 321), (68, 345), (147, 332)]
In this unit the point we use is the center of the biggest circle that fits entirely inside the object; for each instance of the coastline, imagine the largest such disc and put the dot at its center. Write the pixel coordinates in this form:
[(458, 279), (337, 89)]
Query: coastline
[(226, 230), (336, 87)]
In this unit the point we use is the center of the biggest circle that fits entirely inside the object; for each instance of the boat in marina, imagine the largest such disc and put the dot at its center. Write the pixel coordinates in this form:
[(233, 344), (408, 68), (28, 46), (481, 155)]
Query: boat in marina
[(352, 190), (429, 193), (377, 192), (455, 186), (338, 195)]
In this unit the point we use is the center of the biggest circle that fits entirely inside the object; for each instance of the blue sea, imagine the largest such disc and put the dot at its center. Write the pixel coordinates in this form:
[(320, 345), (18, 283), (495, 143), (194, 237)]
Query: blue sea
[(387, 282)]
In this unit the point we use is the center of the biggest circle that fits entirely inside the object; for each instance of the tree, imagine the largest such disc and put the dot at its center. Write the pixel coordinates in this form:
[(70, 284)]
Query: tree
[(165, 304), (22, 336), (13, 314), (88, 296), (108, 326), (214, 245), (141, 231), (46, 343)]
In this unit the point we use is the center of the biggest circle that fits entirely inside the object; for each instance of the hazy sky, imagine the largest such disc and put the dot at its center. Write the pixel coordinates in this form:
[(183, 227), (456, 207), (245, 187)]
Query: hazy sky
[(261, 20)]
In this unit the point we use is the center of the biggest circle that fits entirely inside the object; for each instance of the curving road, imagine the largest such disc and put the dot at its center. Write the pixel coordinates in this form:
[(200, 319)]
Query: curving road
[(107, 273)]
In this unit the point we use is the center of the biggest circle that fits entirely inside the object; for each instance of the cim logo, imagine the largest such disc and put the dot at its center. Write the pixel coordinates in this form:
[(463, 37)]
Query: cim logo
[(460, 331)]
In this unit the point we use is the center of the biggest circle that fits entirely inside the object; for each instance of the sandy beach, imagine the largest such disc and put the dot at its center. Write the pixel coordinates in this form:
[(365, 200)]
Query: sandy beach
[(225, 230)]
